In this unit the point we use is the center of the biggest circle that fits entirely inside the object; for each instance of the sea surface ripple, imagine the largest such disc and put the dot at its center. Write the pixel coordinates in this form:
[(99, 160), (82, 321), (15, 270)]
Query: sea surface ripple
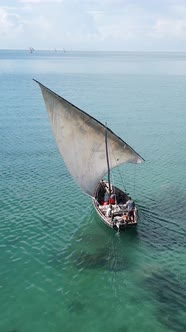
[(61, 268)]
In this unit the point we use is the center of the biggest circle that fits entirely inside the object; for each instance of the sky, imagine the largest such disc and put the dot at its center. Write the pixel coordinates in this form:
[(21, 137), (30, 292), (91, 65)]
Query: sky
[(95, 25)]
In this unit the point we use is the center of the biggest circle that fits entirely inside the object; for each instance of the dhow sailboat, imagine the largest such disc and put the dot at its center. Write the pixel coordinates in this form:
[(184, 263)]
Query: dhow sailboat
[(90, 150)]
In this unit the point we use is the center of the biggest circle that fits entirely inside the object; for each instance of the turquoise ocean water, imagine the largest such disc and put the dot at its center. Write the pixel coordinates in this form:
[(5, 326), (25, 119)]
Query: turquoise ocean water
[(61, 269)]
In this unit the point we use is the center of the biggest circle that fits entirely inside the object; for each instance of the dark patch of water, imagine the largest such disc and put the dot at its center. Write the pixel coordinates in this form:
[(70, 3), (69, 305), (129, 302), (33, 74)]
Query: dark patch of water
[(76, 306), (163, 219), (102, 258), (172, 319), (122, 329), (92, 238), (89, 260), (171, 296)]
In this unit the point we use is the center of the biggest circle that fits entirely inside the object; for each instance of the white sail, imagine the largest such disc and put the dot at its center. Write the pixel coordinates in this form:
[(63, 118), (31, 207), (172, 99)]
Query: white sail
[(81, 142)]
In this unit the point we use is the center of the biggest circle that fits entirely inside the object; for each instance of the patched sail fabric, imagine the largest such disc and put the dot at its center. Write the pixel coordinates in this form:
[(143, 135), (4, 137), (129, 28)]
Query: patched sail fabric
[(81, 142)]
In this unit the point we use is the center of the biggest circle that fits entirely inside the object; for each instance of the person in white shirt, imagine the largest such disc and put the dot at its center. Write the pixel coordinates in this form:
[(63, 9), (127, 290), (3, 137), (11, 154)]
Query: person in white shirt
[(109, 211)]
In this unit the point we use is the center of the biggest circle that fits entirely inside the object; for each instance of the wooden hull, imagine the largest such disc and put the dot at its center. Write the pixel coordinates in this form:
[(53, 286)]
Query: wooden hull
[(119, 219)]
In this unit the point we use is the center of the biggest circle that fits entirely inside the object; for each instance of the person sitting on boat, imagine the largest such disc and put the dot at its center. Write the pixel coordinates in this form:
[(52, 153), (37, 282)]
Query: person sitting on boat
[(125, 217), (113, 198), (104, 186), (106, 197), (130, 206), (105, 193), (108, 213)]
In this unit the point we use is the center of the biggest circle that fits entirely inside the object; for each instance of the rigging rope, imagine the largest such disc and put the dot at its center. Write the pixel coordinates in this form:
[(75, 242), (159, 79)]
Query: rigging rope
[(118, 168)]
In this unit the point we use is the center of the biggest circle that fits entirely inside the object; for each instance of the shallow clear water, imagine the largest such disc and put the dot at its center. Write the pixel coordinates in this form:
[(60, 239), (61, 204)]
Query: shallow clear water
[(61, 268)]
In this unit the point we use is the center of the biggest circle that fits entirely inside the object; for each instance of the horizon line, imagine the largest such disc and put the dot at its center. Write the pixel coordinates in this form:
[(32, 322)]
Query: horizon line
[(71, 50)]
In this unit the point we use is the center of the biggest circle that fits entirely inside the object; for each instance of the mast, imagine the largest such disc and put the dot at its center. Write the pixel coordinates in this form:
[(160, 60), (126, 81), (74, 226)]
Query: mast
[(107, 157)]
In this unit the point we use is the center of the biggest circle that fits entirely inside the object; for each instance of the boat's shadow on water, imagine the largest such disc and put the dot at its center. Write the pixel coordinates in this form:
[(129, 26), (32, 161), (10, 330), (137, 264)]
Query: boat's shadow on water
[(107, 249), (95, 246)]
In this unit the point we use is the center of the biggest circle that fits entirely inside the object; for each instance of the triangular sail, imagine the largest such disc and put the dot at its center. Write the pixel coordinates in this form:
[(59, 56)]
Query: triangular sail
[(81, 142)]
